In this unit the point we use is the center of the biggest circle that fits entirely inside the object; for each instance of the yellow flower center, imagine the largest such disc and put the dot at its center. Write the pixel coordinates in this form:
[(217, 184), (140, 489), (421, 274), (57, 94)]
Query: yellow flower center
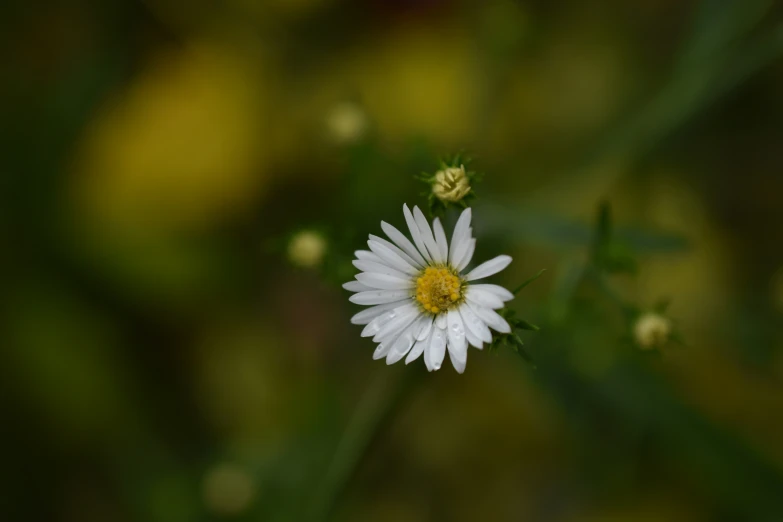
[(437, 289)]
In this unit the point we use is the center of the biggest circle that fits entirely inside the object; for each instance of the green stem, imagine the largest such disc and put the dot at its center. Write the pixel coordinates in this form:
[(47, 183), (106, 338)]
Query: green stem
[(606, 288), (378, 404)]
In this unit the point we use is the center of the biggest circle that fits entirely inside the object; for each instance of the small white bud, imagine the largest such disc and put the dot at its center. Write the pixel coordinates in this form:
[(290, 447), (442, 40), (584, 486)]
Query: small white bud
[(651, 330), (451, 184), (346, 123), (306, 249)]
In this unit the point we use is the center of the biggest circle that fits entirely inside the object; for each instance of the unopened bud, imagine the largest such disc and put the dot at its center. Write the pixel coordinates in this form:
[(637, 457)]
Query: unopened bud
[(306, 249), (652, 330), (347, 123), (451, 184)]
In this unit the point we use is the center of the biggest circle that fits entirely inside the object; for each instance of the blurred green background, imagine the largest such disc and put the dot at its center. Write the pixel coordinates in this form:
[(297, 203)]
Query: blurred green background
[(168, 356)]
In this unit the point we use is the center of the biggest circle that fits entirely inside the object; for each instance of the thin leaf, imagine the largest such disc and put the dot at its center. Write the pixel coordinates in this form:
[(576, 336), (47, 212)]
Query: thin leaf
[(603, 225), (523, 285), (524, 325), (532, 227), (662, 305)]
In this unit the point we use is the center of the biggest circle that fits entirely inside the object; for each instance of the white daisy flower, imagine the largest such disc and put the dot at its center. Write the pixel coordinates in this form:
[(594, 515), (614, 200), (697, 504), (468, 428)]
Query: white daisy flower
[(420, 300)]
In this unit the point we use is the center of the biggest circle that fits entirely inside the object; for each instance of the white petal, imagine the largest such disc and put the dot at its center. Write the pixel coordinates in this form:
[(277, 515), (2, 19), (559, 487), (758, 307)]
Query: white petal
[(365, 255), (488, 268), (474, 324), (426, 354), (380, 268), (440, 240), (373, 297), (426, 329), (473, 340), (499, 291), (365, 316), (401, 319), (457, 250), (482, 297), (423, 339), (426, 235), (403, 344), (392, 259), (416, 233), (397, 250), (384, 281), (434, 353), (458, 343), (403, 242), (356, 286), (467, 256), (418, 349), (374, 326), (460, 236), (381, 351), (440, 321), (459, 364), (491, 318)]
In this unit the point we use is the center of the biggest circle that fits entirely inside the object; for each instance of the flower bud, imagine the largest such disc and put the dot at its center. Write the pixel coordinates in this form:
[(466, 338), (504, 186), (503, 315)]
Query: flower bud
[(451, 184), (306, 249), (347, 123), (651, 330)]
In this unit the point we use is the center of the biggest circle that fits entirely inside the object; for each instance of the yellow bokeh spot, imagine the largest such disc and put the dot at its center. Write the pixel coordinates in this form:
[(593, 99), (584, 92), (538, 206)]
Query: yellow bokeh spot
[(438, 289), (181, 147)]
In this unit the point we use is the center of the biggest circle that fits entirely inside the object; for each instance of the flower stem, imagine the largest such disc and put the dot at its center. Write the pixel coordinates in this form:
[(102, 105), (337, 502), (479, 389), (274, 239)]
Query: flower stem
[(378, 404)]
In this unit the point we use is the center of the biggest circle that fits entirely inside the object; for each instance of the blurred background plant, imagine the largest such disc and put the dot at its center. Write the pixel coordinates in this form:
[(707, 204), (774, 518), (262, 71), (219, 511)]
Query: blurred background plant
[(184, 185)]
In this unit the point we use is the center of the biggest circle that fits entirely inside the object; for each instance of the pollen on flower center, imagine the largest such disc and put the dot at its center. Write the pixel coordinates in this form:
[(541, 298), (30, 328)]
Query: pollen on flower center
[(437, 289)]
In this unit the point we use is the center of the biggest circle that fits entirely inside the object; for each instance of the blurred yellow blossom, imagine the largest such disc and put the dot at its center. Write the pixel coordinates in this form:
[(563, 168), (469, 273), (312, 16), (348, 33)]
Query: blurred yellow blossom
[(422, 80), (182, 146)]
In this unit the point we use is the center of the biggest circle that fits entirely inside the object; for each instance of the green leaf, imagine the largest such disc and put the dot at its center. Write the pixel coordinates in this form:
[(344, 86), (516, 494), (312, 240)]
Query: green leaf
[(518, 347), (718, 24), (524, 325), (526, 356), (603, 225), (523, 285), (616, 258), (532, 227), (662, 305), (677, 338)]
